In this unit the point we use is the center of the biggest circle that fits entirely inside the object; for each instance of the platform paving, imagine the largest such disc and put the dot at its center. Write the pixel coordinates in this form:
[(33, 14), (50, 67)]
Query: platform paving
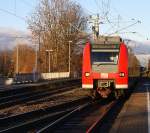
[(46, 82), (133, 117)]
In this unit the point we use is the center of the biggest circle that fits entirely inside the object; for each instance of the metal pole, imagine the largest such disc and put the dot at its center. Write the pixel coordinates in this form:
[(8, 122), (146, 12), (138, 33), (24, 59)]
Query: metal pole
[(69, 57), (147, 63), (17, 61), (95, 25), (47, 50), (49, 62), (39, 66), (36, 58), (35, 69)]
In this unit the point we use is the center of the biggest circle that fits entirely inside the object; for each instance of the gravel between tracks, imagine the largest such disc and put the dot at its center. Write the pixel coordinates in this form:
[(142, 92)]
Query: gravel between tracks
[(56, 99)]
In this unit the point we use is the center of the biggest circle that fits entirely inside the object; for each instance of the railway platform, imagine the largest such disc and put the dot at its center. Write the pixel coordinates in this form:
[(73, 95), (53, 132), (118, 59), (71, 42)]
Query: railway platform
[(134, 116), (34, 84)]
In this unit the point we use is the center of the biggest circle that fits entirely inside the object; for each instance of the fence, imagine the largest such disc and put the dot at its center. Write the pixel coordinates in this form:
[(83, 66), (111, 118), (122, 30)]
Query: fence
[(26, 77), (55, 75), (33, 77)]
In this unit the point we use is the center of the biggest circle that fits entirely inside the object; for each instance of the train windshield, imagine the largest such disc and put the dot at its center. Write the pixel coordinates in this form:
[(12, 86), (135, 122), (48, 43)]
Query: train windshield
[(104, 57)]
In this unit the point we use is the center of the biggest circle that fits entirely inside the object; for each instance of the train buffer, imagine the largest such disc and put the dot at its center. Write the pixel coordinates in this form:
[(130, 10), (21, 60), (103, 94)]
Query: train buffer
[(134, 116)]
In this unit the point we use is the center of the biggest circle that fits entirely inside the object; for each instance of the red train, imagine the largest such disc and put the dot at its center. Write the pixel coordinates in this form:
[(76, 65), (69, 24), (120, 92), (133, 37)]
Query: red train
[(107, 66)]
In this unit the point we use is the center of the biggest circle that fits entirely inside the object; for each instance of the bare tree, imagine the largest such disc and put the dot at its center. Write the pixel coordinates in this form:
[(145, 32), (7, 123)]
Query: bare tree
[(133, 64), (55, 23), (6, 68), (26, 58)]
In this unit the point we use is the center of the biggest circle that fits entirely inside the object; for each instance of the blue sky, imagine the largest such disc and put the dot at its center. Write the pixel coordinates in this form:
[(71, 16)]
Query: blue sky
[(125, 10), (21, 8)]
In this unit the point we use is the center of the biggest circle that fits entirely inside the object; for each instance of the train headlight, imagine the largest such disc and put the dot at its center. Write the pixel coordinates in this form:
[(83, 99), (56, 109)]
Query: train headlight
[(87, 74), (122, 74)]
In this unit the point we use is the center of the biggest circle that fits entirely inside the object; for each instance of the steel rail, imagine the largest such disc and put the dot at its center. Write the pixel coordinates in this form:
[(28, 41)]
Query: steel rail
[(50, 127), (30, 119), (98, 121), (34, 96)]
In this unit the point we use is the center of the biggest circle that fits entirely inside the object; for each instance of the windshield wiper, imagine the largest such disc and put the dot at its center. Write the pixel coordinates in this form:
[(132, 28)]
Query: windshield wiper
[(99, 64)]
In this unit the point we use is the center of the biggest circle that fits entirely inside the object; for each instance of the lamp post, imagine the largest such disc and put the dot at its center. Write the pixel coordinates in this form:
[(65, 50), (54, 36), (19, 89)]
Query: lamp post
[(17, 59), (69, 57), (49, 51), (35, 70)]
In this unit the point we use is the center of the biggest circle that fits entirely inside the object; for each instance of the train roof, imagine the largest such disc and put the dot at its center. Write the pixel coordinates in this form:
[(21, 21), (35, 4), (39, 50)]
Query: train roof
[(108, 40)]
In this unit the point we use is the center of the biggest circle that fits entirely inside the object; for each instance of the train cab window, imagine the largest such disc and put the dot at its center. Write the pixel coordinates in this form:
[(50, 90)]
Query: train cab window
[(104, 57)]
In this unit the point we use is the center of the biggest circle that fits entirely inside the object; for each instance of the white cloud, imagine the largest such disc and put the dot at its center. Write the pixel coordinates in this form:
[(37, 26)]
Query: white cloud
[(9, 37), (141, 50)]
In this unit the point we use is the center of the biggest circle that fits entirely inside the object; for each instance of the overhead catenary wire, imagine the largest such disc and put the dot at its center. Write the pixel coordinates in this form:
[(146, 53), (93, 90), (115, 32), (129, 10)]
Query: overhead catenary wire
[(26, 3), (124, 28), (112, 25), (105, 8), (122, 17), (106, 11), (13, 14), (90, 12), (98, 6), (17, 37), (15, 8)]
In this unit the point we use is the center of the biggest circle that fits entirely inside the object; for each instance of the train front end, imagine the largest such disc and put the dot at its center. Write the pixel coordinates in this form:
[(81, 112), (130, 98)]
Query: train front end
[(105, 66)]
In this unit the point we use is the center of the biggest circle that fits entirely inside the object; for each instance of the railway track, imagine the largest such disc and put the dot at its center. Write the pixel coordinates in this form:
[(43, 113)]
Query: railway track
[(74, 116), (36, 120), (85, 118), (36, 96), (35, 88)]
